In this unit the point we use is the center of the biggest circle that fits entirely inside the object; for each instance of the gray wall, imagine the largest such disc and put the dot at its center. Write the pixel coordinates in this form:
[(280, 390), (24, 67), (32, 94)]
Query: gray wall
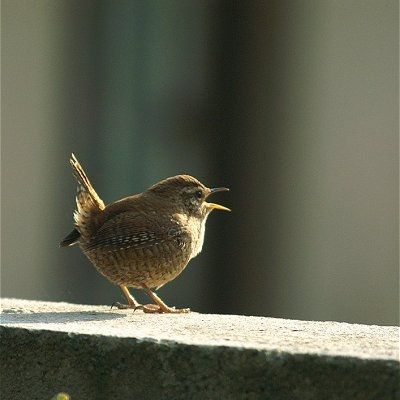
[(292, 104)]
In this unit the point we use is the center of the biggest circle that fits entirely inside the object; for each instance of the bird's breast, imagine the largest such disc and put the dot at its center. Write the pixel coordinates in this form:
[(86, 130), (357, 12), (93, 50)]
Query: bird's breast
[(198, 228)]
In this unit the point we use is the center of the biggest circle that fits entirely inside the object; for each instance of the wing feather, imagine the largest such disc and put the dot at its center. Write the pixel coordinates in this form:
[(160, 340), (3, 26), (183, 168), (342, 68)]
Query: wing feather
[(135, 230)]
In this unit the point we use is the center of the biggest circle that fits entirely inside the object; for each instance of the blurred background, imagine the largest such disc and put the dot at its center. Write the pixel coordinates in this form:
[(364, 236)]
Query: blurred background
[(291, 104)]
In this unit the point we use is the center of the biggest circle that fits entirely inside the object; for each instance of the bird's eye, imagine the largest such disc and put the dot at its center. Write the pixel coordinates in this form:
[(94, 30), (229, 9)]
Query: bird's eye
[(198, 194)]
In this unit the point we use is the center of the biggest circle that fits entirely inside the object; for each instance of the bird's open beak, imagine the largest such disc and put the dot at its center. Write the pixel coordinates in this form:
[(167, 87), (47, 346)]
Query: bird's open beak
[(213, 206)]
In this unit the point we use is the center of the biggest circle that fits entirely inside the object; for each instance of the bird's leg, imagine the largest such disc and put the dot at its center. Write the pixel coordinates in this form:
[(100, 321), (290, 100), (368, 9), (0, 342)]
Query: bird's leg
[(132, 303), (163, 308)]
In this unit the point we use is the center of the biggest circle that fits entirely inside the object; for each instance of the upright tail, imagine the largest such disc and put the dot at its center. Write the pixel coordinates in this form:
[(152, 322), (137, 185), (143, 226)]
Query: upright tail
[(88, 204)]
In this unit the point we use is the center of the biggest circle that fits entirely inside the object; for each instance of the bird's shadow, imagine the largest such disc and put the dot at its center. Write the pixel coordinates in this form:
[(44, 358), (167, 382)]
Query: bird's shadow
[(8, 317)]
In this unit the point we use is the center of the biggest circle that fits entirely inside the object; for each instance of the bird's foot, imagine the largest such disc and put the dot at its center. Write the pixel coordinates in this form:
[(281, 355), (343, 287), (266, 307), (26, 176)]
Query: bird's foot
[(148, 308), (155, 308), (173, 310), (179, 310), (151, 308), (121, 306)]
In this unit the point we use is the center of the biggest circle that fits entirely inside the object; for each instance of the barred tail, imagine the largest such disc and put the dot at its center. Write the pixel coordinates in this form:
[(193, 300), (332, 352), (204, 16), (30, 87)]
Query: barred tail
[(88, 204), (86, 198)]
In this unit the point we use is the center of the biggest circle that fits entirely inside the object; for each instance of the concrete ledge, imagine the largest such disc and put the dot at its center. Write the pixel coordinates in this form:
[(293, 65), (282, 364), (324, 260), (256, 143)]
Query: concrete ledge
[(93, 352)]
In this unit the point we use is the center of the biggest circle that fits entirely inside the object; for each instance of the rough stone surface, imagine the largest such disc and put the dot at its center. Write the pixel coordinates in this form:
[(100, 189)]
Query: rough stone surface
[(92, 352)]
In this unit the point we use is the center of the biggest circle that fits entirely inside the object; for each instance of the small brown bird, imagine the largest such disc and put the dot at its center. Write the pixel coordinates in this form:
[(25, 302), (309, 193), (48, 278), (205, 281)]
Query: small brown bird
[(145, 240)]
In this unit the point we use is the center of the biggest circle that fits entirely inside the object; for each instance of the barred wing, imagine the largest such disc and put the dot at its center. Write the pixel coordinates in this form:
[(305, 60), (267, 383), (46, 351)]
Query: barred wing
[(137, 231)]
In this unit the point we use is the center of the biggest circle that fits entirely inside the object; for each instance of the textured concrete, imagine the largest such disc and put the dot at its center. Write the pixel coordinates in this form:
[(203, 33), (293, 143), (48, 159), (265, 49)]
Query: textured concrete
[(93, 352)]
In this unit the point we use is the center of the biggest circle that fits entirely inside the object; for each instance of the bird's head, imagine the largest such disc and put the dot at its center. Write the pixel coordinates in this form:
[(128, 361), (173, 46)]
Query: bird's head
[(187, 194)]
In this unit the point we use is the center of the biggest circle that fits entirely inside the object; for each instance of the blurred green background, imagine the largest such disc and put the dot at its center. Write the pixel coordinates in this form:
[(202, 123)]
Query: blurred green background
[(291, 104)]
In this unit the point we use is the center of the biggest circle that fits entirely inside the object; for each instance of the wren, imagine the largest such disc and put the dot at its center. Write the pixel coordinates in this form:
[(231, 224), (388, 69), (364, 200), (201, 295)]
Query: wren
[(142, 241)]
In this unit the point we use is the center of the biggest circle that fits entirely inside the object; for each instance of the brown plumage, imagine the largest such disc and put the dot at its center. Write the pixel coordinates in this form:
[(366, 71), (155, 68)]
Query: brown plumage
[(145, 240)]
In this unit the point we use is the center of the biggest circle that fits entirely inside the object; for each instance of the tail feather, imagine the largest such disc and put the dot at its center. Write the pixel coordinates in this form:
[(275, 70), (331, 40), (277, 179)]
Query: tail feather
[(88, 202), (70, 239), (86, 195)]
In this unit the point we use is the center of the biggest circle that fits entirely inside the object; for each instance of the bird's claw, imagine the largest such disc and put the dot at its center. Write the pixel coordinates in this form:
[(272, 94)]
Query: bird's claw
[(151, 308), (120, 306), (157, 309), (173, 310), (148, 308)]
